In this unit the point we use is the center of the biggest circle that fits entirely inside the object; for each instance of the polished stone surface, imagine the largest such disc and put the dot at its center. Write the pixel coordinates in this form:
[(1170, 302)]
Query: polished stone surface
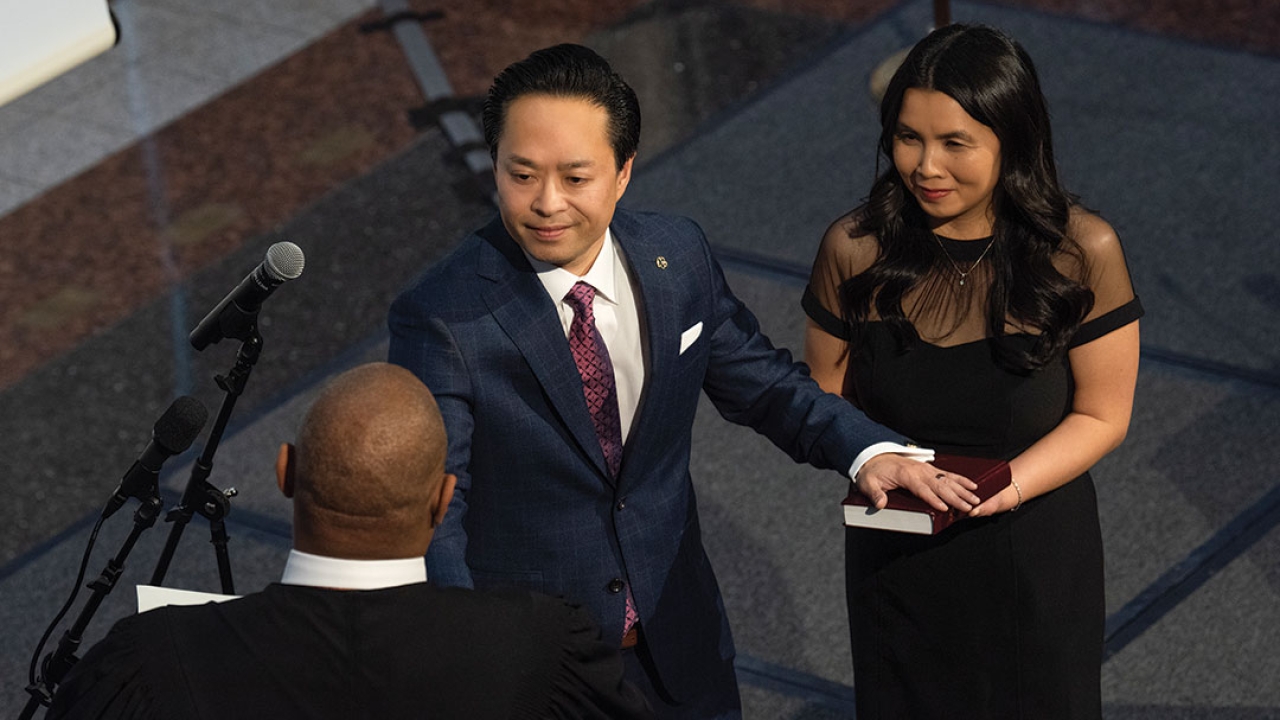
[(288, 121)]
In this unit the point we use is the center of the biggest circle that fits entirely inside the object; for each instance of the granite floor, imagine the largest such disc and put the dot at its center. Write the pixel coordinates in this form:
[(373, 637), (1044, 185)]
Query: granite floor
[(140, 188), (94, 245)]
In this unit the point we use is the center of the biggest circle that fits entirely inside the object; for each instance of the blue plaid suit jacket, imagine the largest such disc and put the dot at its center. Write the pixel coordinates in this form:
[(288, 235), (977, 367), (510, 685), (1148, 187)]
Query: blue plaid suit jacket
[(535, 506)]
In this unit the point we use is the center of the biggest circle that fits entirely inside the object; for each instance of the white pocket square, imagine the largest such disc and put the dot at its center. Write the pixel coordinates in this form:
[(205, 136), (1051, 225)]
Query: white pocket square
[(688, 336)]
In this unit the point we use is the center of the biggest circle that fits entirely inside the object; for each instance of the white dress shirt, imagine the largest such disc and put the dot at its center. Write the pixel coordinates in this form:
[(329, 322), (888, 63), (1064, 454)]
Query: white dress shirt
[(617, 319), (619, 323), (319, 571)]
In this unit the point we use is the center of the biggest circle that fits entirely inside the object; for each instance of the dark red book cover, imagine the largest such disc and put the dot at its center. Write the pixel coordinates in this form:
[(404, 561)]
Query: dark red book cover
[(907, 513)]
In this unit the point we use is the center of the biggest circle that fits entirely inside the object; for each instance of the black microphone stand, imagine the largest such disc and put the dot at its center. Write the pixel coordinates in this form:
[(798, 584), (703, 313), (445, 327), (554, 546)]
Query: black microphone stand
[(200, 496), (56, 664)]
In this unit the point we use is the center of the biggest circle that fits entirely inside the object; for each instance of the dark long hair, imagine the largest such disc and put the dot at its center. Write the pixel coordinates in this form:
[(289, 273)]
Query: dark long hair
[(993, 79)]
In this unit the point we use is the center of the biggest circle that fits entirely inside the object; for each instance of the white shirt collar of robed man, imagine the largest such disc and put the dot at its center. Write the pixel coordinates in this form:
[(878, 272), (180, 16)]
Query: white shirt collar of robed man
[(617, 317), (318, 571)]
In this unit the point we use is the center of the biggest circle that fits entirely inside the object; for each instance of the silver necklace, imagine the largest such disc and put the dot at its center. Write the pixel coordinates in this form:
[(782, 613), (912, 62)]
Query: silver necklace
[(962, 273)]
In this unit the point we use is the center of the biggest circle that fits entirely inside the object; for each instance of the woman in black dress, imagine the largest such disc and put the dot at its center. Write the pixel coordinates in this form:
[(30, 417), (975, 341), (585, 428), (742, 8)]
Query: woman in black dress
[(971, 304)]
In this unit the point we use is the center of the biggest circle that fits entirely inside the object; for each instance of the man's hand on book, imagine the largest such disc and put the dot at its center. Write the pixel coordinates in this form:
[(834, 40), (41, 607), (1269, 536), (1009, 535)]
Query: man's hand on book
[(941, 489)]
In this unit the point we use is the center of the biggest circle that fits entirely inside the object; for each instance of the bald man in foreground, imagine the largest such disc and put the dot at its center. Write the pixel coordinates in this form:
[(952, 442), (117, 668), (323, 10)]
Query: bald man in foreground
[(353, 630)]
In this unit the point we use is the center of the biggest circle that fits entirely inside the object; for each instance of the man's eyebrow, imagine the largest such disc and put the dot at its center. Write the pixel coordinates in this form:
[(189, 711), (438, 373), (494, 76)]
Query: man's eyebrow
[(520, 160), (568, 165)]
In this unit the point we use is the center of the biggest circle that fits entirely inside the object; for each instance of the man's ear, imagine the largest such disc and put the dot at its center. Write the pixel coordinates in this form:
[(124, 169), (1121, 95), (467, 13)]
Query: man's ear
[(624, 176), (286, 460), (442, 502)]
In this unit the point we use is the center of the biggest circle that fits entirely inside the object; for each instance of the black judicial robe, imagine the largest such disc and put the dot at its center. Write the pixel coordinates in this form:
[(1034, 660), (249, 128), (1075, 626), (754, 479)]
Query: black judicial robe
[(415, 651)]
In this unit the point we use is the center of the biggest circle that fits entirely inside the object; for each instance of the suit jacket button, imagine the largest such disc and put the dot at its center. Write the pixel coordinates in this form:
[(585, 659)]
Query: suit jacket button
[(622, 504), (616, 585)]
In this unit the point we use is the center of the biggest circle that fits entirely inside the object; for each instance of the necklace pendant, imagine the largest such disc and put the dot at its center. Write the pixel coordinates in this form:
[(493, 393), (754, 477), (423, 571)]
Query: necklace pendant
[(961, 282)]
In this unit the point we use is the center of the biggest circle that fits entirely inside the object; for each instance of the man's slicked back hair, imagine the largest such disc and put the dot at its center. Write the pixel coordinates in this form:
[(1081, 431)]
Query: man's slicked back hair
[(566, 71)]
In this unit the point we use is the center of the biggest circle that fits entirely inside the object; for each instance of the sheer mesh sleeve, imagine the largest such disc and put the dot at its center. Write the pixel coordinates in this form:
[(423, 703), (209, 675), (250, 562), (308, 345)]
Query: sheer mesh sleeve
[(1107, 275), (841, 256)]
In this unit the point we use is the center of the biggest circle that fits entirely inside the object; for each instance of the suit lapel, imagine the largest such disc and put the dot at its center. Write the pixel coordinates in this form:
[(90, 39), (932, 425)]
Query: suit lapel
[(658, 293), (520, 305)]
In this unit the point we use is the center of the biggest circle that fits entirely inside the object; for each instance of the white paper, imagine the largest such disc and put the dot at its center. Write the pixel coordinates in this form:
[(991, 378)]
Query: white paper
[(151, 597)]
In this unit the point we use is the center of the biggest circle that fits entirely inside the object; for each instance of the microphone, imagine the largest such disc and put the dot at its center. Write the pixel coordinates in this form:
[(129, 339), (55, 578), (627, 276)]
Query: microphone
[(237, 314), (173, 433)]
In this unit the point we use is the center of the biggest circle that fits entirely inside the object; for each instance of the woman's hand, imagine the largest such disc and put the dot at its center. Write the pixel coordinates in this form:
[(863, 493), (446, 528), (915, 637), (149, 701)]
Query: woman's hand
[(1003, 501)]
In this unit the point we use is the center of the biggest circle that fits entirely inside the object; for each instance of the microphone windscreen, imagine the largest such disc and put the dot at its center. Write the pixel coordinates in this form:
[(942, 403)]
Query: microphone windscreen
[(180, 424), (284, 261)]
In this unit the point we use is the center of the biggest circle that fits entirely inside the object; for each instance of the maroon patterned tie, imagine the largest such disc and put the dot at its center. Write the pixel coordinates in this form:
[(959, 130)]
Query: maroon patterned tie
[(600, 390), (598, 385)]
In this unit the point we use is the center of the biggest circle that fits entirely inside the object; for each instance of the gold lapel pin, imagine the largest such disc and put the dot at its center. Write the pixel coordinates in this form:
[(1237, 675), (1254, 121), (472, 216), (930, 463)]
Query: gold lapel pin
[(661, 262)]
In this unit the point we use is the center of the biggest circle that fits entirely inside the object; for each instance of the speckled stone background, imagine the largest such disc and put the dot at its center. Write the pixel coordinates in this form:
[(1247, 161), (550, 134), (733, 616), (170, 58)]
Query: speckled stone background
[(137, 190)]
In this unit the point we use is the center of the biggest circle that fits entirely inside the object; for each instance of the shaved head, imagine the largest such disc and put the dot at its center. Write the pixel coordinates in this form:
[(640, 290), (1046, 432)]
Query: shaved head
[(368, 466)]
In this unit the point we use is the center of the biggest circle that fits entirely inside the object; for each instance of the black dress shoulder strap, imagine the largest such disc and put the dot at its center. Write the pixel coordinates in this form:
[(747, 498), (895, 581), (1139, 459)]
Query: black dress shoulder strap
[(823, 317), (1107, 322)]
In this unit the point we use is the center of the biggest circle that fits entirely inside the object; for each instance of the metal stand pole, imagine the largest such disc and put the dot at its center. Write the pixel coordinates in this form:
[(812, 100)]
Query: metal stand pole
[(56, 664), (200, 496), (941, 13)]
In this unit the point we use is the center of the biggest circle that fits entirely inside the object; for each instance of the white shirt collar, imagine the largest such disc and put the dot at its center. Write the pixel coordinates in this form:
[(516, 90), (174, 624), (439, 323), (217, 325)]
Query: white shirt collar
[(319, 571), (603, 275)]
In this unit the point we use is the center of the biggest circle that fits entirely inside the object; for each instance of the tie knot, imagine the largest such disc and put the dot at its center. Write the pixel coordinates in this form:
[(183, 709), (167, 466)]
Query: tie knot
[(580, 296)]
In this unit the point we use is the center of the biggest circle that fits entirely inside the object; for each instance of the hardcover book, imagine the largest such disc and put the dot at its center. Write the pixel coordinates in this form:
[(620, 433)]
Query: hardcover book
[(907, 513)]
